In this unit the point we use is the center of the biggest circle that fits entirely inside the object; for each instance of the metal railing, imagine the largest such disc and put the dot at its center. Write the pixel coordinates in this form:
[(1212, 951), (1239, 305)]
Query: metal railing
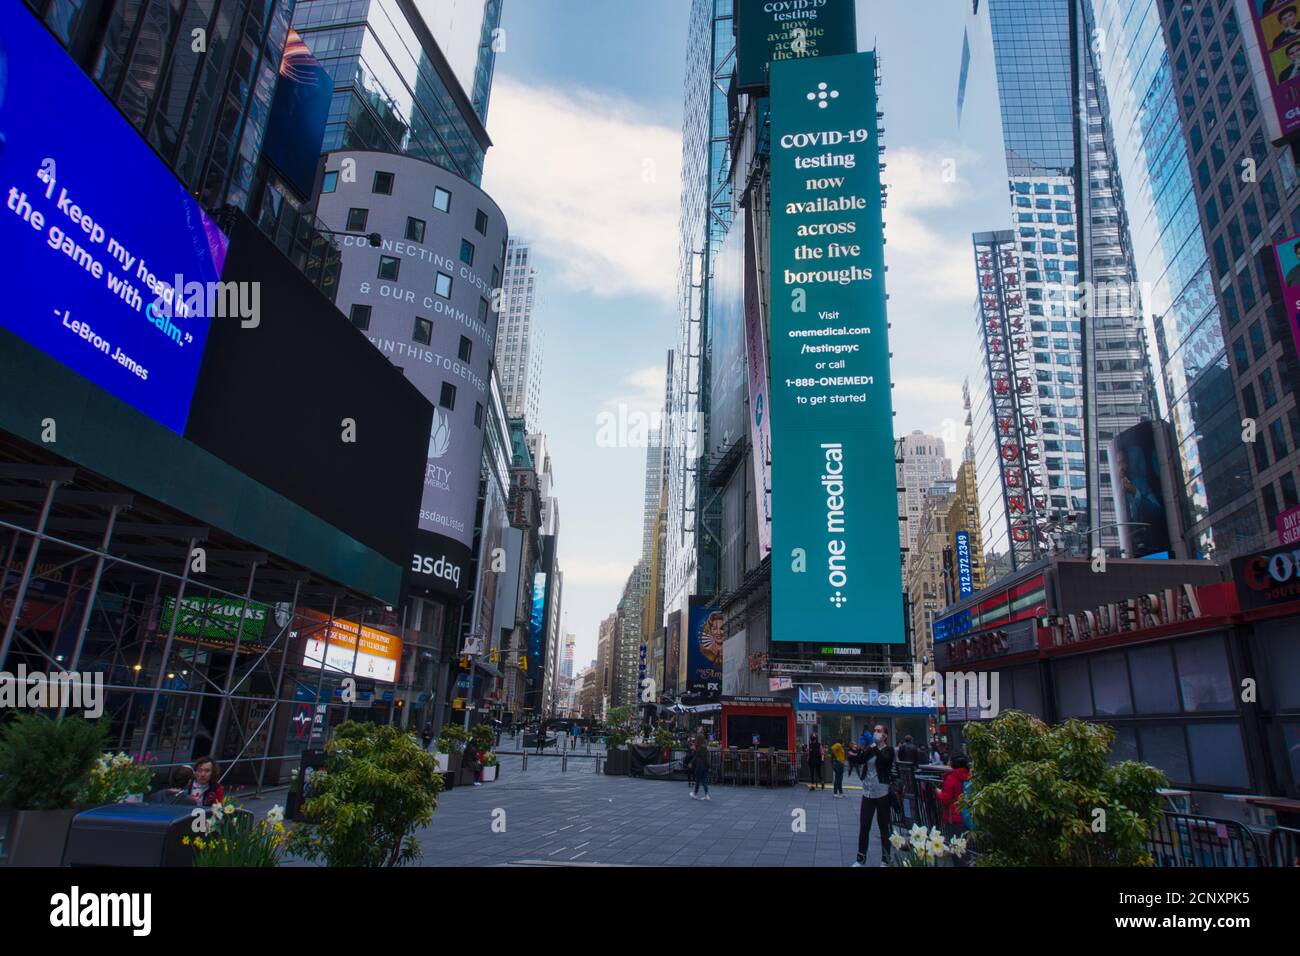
[(1181, 840)]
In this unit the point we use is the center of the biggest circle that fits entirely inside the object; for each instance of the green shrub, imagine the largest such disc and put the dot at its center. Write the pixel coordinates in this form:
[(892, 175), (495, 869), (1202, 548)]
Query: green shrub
[(483, 736), (44, 763), (452, 738), (377, 788), (1048, 796)]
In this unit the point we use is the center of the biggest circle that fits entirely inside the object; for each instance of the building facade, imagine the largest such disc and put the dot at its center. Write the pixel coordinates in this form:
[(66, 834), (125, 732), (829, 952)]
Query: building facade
[(519, 345), (924, 464)]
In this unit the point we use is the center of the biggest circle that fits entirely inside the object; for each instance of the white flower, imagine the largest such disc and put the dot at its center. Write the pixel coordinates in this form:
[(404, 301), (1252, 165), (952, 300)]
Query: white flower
[(215, 812), (275, 814), (896, 841), (936, 845), (918, 834), (958, 846)]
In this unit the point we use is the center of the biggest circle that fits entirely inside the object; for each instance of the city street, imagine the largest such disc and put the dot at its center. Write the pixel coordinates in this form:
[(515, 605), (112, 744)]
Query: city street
[(579, 817)]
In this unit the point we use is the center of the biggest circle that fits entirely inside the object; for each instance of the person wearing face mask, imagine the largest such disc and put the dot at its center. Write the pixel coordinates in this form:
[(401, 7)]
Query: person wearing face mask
[(878, 765), (815, 762)]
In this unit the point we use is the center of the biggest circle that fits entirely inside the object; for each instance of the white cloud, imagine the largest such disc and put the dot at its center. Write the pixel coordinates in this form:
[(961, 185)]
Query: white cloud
[(592, 185), (928, 264), (585, 571)]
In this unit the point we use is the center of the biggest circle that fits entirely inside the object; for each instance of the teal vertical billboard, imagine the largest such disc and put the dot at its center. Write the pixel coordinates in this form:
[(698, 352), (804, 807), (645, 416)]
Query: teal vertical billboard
[(835, 557)]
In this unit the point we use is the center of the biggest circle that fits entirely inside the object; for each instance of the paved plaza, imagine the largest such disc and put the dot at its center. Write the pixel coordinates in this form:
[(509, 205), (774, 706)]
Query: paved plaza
[(580, 817)]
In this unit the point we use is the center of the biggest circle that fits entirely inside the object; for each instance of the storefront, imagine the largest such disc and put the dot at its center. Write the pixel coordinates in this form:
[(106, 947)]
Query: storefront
[(766, 722), (1194, 679), (845, 714)]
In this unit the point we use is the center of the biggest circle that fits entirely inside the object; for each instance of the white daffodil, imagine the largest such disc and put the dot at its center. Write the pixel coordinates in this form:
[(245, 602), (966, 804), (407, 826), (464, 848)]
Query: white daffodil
[(275, 814), (918, 834), (896, 841), (958, 846), (215, 812), (936, 845)]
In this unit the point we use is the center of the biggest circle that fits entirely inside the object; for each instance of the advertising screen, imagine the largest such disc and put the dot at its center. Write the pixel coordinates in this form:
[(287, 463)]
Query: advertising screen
[(836, 573), (1138, 491), (298, 114), (771, 30), (537, 620), (727, 331), (1275, 58), (1287, 255), (760, 427), (347, 648), (217, 619), (98, 231), (965, 583), (708, 631)]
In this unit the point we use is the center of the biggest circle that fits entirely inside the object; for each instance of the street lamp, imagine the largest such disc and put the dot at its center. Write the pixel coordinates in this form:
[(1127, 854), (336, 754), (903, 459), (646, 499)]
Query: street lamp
[(373, 238)]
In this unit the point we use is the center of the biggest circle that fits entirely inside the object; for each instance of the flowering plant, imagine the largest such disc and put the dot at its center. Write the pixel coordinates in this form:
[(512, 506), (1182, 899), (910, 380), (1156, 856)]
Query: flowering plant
[(228, 835), (489, 759), (115, 777), (922, 847)]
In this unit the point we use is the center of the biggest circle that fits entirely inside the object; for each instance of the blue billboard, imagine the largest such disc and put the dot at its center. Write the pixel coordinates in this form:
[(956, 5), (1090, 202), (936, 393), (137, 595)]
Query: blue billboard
[(537, 618), (298, 115), (97, 232), (965, 582)]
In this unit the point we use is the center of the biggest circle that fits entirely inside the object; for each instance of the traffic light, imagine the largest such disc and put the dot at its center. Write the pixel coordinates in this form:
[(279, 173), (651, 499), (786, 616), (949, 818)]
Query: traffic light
[(400, 703), (523, 662), (458, 703), (495, 656), (464, 662)]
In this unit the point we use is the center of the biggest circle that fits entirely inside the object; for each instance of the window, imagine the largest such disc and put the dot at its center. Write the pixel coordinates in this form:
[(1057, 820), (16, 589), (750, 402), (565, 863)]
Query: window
[(1154, 690), (423, 331), (467, 252), (482, 309), (382, 184), (441, 199), (480, 222), (1073, 695), (389, 267), (414, 229), (357, 219), (331, 182), (466, 349), (1165, 748), (1110, 688), (478, 414), (447, 397), (1203, 675), (360, 316), (442, 285), (1217, 755)]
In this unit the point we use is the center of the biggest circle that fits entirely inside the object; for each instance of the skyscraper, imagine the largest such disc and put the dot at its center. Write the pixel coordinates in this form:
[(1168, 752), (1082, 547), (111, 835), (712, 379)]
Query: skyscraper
[(924, 465), (519, 340), (1080, 363)]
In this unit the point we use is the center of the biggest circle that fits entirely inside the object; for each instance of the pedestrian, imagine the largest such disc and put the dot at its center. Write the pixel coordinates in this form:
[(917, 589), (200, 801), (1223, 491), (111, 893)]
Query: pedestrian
[(907, 751), (877, 767), (205, 788), (935, 756), (427, 734), (471, 761), (838, 759), (815, 762), (700, 768), (950, 796)]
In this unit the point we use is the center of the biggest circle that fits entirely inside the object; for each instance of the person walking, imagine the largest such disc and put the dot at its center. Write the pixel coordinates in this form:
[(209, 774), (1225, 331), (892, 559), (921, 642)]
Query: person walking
[(907, 751), (427, 734), (878, 766), (950, 794), (815, 762), (700, 768), (838, 759)]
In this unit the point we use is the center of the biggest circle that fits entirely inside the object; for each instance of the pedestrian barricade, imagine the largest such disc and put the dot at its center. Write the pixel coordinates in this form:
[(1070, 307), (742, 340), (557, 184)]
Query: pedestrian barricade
[(1182, 840), (1284, 847)]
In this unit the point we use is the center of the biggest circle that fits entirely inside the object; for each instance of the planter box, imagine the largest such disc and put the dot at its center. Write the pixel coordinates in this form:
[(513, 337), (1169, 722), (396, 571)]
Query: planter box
[(618, 763), (489, 774), (38, 837), (443, 764)]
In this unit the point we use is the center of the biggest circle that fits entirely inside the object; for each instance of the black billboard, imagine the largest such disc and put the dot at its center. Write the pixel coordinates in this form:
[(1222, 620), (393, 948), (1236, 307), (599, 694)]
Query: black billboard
[(295, 397), (1138, 485)]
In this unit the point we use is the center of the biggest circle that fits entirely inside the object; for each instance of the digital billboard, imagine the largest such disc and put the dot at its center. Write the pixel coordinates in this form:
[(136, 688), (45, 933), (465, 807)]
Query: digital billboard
[(768, 31), (97, 231), (706, 635), (424, 298), (673, 653), (343, 647), (1287, 256), (298, 115), (1139, 492), (1272, 45), (836, 574), (965, 581)]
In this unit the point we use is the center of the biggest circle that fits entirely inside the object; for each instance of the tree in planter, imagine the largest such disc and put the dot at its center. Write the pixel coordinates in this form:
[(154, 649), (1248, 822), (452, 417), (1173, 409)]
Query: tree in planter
[(619, 722), (452, 739), (1048, 796), (377, 788), (45, 763), (482, 736)]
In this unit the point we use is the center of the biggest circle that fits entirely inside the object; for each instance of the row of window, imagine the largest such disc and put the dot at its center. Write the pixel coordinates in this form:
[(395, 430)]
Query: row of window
[(382, 185)]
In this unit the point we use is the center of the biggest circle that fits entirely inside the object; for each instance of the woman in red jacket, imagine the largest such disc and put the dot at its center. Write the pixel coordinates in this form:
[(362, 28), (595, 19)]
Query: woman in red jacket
[(950, 796)]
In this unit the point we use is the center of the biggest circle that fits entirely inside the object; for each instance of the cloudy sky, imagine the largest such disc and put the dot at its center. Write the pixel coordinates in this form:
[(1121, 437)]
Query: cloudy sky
[(585, 119)]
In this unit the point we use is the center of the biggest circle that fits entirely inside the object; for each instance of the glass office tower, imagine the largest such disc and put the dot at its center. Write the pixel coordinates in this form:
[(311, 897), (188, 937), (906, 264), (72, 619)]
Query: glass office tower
[(395, 88), (1088, 360), (1174, 264)]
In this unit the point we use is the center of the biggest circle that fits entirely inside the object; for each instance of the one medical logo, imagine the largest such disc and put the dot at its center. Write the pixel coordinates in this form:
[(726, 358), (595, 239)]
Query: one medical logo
[(823, 96)]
